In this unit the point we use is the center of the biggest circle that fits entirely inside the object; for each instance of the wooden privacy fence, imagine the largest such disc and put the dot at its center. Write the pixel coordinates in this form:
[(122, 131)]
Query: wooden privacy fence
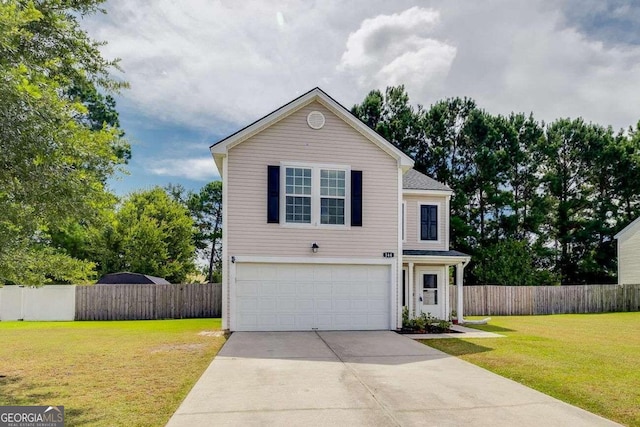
[(530, 300), (144, 302)]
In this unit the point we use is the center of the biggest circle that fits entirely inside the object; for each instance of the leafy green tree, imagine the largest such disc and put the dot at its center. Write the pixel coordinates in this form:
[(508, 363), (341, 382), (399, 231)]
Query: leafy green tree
[(563, 190), (510, 262), (55, 155), (151, 234)]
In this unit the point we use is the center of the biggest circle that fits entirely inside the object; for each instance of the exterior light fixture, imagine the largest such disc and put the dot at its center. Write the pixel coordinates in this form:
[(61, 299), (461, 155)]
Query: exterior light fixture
[(314, 247)]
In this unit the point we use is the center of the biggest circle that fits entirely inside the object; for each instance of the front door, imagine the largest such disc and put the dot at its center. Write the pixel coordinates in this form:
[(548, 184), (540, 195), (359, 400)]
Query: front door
[(429, 286)]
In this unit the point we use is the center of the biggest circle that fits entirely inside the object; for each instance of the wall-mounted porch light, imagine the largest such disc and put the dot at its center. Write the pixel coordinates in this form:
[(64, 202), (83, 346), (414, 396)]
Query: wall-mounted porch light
[(314, 247)]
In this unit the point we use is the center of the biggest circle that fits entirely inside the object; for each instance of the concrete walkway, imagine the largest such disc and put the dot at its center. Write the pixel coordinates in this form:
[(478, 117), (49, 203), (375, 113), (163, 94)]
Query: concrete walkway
[(360, 379), (462, 332)]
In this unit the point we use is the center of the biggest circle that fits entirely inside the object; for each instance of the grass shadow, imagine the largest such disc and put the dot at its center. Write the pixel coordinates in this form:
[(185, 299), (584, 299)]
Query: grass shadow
[(455, 346), (490, 328), (11, 388)]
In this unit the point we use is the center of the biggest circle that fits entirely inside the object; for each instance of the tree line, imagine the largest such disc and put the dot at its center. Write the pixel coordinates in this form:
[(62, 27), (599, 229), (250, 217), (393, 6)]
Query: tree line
[(534, 203), (60, 141)]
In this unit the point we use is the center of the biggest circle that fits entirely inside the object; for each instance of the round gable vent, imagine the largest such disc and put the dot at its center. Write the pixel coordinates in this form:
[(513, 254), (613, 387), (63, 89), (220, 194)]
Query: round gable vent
[(315, 120)]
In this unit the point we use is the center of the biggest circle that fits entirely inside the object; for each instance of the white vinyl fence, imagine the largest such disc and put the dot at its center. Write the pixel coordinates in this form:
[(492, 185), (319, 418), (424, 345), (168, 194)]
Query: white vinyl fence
[(55, 302)]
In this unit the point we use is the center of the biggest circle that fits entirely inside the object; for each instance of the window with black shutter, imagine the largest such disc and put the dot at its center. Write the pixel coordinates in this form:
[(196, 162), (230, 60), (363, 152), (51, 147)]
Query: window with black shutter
[(428, 222)]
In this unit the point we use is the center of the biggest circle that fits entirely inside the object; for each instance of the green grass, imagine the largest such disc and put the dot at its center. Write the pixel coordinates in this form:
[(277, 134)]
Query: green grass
[(588, 360), (129, 373)]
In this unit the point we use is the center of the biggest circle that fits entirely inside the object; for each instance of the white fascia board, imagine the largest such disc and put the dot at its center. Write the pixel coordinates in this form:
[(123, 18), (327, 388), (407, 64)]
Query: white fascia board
[(436, 260), (628, 230), (412, 192), (310, 260)]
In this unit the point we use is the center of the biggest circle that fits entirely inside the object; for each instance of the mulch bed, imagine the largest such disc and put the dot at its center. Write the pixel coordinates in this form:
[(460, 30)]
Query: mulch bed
[(432, 330)]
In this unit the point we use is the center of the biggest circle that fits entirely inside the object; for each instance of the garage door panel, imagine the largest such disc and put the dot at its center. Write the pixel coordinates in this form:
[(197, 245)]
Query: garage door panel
[(359, 289), (322, 289), (304, 272), (286, 304), (360, 305), (248, 288), (248, 319), (359, 320), (303, 288), (286, 289), (305, 321), (343, 304), (248, 304), (286, 273), (323, 305), (267, 304), (377, 305), (305, 305), (341, 288), (359, 275), (378, 289), (312, 296), (322, 274), (269, 288), (378, 273), (268, 320)]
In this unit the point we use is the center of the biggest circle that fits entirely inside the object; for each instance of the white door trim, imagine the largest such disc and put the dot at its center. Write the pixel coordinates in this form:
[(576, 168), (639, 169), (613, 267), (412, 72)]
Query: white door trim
[(438, 271)]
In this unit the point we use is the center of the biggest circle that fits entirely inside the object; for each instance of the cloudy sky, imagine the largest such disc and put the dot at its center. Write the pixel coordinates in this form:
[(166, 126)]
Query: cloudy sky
[(201, 69)]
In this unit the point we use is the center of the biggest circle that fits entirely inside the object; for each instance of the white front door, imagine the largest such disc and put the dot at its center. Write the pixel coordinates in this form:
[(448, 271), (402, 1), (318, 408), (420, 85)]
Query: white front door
[(429, 289)]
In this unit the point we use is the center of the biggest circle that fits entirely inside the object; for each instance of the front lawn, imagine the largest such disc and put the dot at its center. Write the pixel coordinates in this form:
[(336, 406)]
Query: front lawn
[(588, 360), (132, 373)]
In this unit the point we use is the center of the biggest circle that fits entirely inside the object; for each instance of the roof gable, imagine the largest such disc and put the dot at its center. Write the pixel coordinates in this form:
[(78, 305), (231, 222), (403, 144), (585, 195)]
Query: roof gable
[(629, 230), (414, 180), (220, 148)]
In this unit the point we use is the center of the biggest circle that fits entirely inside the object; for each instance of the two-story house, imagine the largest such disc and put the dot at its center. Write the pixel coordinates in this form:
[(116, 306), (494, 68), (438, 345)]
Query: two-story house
[(327, 226)]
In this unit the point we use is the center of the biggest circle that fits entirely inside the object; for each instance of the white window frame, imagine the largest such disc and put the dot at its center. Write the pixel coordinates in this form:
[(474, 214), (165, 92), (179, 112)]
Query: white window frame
[(419, 225), (404, 221), (315, 194)]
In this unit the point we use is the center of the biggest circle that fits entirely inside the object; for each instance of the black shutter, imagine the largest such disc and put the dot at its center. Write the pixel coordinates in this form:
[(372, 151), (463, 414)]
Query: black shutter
[(428, 222), (433, 223), (273, 194), (356, 198), (424, 222)]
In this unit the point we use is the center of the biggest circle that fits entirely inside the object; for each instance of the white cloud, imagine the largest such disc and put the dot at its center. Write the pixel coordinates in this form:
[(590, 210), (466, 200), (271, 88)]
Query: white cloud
[(220, 65), (396, 49), (196, 169)]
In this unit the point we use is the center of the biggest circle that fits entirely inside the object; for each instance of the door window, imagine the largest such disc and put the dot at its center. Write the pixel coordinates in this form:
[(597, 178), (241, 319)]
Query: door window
[(430, 289)]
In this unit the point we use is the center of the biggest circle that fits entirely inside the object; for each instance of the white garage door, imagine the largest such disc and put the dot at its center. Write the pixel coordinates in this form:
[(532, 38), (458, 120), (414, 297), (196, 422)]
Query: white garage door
[(298, 297)]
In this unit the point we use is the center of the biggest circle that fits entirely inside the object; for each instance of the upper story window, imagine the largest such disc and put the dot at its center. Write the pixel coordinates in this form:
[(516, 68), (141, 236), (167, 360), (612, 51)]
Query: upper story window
[(316, 194), (332, 196), (298, 195), (428, 222)]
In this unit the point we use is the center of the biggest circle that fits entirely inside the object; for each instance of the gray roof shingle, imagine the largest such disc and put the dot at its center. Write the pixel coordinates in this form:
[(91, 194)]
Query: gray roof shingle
[(414, 180), (420, 252)]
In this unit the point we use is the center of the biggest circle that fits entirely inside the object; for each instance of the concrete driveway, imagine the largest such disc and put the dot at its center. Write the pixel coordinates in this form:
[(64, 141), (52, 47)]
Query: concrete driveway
[(359, 379)]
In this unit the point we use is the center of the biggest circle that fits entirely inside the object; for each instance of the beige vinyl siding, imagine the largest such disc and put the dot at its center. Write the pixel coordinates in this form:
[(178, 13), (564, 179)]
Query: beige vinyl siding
[(412, 226), (292, 140), (629, 260)]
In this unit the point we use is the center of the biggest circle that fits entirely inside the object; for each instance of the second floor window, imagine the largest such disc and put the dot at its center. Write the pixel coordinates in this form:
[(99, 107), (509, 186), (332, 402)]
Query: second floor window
[(298, 192), (332, 195), (315, 195), (428, 222)]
